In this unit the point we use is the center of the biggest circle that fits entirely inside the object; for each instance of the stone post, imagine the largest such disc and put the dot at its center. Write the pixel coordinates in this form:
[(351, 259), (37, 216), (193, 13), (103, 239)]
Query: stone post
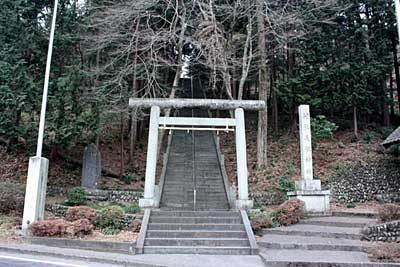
[(241, 156), (35, 195), (149, 187), (308, 189)]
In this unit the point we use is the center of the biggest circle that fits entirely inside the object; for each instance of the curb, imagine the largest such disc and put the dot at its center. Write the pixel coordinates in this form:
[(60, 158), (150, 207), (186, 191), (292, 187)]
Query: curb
[(76, 254), (102, 246)]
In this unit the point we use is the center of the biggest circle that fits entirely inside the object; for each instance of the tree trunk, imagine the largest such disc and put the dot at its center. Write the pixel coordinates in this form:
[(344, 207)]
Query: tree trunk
[(133, 122), (396, 67), (386, 114), (263, 89), (274, 99), (355, 123), (247, 56), (122, 158), (293, 117), (391, 97)]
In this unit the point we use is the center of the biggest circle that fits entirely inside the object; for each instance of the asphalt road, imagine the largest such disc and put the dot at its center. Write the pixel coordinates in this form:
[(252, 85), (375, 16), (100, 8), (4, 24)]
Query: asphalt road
[(18, 260)]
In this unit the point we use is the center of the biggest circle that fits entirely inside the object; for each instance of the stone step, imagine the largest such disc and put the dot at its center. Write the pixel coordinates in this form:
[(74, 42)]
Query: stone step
[(339, 221), (196, 220), (315, 230), (197, 250), (196, 234), (310, 243), (320, 258), (197, 242), (195, 213), (359, 213), (199, 227)]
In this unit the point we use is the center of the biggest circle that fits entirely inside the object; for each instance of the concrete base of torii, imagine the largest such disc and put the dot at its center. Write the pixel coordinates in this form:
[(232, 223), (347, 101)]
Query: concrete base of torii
[(316, 200)]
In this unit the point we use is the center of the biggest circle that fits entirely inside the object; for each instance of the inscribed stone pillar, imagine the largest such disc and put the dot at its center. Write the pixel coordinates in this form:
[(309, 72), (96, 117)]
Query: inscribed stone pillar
[(307, 189), (91, 167)]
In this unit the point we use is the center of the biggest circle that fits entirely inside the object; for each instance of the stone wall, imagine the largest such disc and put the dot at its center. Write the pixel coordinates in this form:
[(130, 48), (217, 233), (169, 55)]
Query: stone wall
[(114, 195), (377, 181), (385, 232)]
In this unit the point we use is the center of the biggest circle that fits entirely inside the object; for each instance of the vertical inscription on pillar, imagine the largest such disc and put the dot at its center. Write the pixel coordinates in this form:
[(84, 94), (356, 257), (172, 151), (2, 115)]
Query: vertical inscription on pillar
[(305, 143)]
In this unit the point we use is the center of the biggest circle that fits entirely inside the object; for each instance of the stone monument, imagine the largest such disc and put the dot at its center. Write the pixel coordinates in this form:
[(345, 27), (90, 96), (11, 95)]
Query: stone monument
[(91, 167), (308, 189)]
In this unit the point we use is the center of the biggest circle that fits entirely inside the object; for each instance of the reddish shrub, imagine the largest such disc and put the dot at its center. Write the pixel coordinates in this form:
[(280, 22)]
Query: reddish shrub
[(57, 227), (389, 212), (260, 221), (82, 227), (290, 212), (61, 227), (81, 212)]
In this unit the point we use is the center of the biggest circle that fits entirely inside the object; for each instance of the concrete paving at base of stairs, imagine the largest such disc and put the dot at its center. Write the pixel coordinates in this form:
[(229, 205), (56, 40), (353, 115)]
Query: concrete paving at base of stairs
[(272, 241), (306, 258), (149, 260)]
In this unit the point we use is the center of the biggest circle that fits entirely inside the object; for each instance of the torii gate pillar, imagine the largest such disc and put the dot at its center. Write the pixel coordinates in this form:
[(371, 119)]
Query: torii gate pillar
[(241, 158)]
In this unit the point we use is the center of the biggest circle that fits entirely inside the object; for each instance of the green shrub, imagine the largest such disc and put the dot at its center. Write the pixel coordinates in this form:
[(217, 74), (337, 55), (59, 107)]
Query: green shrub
[(111, 231), (11, 197), (350, 205), (322, 128), (132, 209), (290, 212), (368, 137), (128, 179), (111, 216), (286, 182), (77, 196)]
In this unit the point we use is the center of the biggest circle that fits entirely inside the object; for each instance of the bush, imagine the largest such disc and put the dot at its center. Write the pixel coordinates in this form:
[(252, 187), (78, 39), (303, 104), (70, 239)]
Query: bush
[(77, 196), (82, 227), (321, 128), (132, 209), (260, 221), (81, 212), (386, 253), (59, 227), (290, 212), (111, 216), (111, 231), (11, 197), (389, 212)]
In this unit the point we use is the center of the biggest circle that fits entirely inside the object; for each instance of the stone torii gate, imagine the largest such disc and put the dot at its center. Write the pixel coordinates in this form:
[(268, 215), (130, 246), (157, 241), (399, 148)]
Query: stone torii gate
[(179, 123)]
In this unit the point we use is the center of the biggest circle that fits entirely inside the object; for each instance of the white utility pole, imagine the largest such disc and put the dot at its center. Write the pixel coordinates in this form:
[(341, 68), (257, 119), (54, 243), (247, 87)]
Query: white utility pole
[(46, 83), (36, 184)]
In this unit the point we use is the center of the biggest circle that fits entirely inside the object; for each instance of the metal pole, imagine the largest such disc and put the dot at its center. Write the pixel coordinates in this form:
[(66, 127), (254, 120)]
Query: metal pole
[(397, 4), (46, 83)]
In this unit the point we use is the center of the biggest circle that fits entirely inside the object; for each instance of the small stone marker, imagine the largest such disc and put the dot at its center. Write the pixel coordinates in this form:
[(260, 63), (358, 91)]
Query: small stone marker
[(91, 169)]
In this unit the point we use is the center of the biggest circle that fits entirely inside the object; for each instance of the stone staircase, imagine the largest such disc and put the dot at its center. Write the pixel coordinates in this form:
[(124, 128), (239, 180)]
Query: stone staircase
[(201, 222), (322, 241), (198, 185), (197, 232)]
